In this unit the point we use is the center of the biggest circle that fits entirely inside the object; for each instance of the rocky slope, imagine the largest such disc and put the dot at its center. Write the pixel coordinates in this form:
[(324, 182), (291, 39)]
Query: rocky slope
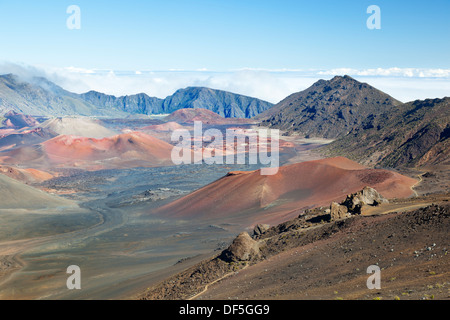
[(39, 96), (134, 104), (328, 109), (226, 104), (309, 258), (412, 134), (369, 126)]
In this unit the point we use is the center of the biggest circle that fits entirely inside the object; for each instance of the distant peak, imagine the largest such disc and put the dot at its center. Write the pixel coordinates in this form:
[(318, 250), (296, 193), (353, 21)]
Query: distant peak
[(9, 76), (342, 78), (338, 81)]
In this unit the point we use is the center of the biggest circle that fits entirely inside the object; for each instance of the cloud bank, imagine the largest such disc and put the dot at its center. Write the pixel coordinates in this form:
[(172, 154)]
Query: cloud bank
[(404, 84)]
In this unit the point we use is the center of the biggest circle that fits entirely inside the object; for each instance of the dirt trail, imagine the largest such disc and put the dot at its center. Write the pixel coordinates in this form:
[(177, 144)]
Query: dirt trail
[(405, 205), (393, 207), (418, 183), (410, 248), (215, 281), (407, 238)]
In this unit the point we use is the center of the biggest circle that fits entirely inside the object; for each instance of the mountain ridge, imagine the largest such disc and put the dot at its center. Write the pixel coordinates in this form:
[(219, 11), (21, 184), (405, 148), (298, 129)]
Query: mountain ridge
[(416, 133), (41, 97), (328, 109), (237, 105), (366, 124)]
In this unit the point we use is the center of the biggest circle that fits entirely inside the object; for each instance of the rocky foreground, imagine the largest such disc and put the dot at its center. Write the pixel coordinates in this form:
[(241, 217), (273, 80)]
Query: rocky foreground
[(324, 254)]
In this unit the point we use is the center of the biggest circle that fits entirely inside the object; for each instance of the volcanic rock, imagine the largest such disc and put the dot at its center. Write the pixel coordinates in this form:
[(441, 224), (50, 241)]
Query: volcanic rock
[(243, 248), (329, 108), (367, 196), (416, 133), (338, 211), (260, 229)]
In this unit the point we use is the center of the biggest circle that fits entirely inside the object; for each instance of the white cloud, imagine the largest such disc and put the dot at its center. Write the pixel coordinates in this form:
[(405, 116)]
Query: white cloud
[(390, 72), (408, 89), (79, 70), (273, 85)]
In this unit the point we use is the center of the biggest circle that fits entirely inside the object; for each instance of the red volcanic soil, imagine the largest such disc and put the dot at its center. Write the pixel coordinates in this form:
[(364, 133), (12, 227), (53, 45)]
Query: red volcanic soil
[(18, 120), (203, 115), (124, 150), (254, 198), (25, 137)]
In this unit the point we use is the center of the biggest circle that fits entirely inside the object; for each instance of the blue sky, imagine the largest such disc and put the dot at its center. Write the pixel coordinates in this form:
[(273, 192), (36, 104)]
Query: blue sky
[(225, 36)]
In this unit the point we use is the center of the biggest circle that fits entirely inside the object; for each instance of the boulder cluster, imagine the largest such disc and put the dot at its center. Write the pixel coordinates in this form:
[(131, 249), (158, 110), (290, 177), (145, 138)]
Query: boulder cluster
[(354, 202), (244, 248)]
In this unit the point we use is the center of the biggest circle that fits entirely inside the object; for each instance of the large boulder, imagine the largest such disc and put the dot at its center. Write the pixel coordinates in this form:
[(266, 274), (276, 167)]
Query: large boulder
[(338, 211), (243, 248), (367, 196)]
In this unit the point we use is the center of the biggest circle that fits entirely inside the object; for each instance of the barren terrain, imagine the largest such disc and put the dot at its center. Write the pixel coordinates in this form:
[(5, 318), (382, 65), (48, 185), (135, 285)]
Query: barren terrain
[(329, 260), (141, 228)]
